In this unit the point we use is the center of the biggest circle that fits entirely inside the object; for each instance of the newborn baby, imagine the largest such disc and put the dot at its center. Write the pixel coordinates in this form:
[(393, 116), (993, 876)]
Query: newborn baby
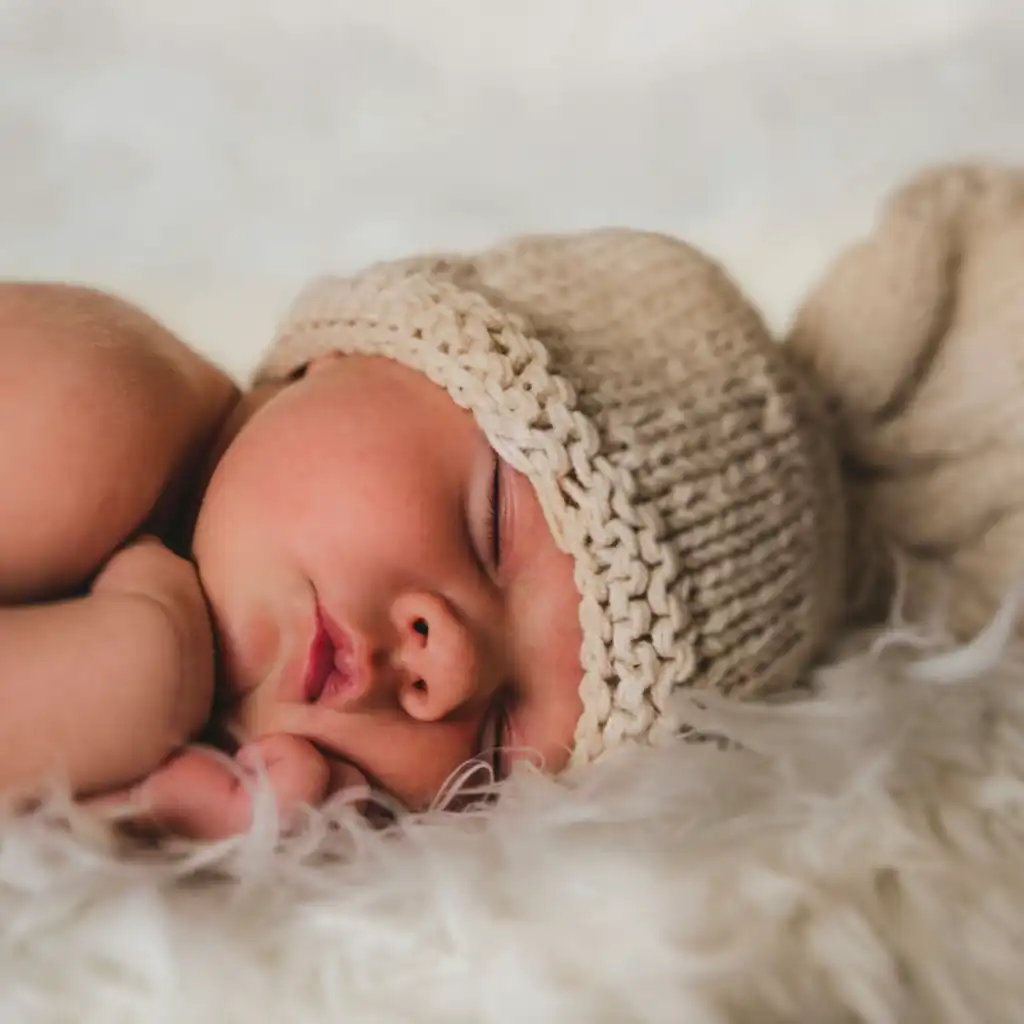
[(471, 511)]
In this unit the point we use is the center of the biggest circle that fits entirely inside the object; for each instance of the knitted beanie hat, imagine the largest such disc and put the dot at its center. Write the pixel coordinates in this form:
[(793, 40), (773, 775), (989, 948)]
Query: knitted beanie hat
[(916, 336), (677, 453)]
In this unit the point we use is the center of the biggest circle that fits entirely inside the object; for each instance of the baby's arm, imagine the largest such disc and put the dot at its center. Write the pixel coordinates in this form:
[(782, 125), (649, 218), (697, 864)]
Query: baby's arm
[(98, 690), (102, 673)]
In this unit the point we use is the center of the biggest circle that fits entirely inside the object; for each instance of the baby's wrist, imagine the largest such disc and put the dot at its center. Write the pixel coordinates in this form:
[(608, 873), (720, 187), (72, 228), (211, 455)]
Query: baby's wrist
[(182, 637)]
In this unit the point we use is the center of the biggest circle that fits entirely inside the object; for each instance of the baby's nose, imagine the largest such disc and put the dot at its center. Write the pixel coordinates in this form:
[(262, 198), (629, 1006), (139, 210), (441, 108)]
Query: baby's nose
[(439, 653)]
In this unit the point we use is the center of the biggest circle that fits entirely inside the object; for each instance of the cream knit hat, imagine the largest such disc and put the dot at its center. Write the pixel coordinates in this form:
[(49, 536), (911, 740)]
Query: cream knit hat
[(678, 455), (916, 335)]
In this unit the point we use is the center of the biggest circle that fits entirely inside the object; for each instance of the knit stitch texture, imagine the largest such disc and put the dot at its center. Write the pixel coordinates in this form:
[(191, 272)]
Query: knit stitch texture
[(916, 334), (678, 454)]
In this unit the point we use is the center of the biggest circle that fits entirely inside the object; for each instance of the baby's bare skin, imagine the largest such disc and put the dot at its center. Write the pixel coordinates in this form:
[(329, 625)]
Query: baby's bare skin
[(298, 501), (106, 649)]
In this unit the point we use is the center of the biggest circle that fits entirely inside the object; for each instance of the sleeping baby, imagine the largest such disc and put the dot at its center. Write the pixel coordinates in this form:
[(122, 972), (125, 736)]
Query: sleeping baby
[(471, 511)]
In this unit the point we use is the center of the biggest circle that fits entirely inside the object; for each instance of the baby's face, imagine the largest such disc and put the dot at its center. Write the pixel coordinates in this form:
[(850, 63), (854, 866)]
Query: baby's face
[(384, 586)]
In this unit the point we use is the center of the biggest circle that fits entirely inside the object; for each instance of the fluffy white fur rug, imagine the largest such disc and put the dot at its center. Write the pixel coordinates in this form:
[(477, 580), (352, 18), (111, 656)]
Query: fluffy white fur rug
[(863, 858), (860, 859)]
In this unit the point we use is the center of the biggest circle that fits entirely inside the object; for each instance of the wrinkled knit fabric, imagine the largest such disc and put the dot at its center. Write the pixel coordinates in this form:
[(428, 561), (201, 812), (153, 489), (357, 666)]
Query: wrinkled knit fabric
[(916, 334), (680, 457)]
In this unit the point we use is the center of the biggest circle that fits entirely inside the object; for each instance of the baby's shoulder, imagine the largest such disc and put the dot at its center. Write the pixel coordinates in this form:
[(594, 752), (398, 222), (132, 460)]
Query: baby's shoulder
[(104, 412)]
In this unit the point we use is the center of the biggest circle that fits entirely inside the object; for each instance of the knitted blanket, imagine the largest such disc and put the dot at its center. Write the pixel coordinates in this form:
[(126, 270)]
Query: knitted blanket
[(859, 857)]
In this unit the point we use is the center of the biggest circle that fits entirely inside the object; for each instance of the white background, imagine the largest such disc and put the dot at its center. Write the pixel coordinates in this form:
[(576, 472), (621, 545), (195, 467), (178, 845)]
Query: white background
[(206, 156)]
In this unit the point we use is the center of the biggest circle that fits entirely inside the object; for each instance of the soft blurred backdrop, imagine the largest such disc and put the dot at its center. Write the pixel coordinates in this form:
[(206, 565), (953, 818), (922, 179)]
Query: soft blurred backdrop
[(206, 156)]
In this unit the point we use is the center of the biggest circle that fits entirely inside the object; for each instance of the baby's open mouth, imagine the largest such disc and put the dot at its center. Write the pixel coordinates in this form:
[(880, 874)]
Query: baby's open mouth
[(330, 665)]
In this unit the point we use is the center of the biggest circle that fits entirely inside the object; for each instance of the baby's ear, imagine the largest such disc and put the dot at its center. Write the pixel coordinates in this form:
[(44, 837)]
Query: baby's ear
[(917, 335)]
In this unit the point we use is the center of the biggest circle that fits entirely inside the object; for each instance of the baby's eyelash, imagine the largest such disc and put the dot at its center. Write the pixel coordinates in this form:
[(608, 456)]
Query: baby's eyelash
[(494, 514)]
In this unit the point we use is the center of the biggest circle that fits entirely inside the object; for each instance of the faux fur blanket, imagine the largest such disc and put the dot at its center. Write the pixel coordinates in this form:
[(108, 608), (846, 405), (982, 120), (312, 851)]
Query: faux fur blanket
[(859, 857)]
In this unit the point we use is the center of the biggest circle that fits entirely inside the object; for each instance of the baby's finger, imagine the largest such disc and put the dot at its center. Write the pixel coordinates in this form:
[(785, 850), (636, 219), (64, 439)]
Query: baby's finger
[(197, 794), (201, 794), (297, 772)]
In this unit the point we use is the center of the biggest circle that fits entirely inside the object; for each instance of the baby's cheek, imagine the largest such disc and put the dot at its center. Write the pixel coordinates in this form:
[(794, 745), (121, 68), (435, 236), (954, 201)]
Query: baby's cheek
[(345, 777), (546, 714), (549, 639), (545, 602)]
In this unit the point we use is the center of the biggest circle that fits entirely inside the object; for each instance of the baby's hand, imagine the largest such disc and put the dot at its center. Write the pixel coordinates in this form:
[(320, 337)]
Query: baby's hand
[(200, 794)]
